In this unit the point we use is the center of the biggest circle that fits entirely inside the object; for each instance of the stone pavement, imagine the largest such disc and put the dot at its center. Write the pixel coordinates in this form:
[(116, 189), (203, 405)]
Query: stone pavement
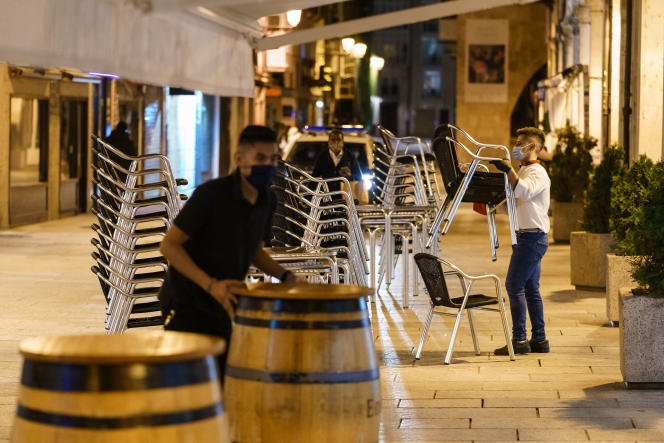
[(572, 394)]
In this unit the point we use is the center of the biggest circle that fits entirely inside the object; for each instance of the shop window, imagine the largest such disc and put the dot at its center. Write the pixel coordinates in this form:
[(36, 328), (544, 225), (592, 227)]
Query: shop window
[(431, 83), (431, 51)]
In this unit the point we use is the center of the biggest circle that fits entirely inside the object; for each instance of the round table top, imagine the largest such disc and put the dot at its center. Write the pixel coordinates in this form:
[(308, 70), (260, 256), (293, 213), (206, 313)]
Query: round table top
[(145, 347), (302, 291)]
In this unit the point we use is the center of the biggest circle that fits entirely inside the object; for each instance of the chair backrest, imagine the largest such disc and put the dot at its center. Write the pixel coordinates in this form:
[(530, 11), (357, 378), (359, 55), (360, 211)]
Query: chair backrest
[(387, 137), (447, 163), (434, 279)]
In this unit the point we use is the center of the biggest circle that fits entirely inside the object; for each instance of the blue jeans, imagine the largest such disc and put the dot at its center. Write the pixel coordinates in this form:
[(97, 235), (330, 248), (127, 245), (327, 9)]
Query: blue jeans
[(522, 284)]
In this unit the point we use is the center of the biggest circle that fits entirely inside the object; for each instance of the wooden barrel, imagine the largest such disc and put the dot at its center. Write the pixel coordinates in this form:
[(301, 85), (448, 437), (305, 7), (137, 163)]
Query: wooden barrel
[(137, 387), (302, 366)]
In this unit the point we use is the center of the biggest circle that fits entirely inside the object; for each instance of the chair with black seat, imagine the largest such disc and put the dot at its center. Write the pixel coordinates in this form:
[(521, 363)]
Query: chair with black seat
[(472, 183), (433, 274)]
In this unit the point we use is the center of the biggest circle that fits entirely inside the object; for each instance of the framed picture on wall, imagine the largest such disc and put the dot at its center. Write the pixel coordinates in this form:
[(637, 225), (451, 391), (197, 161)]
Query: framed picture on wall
[(487, 49)]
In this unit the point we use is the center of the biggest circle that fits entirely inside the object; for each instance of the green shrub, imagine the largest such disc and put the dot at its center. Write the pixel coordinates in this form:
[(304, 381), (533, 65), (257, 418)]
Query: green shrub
[(571, 165), (597, 204), (647, 238), (627, 196)]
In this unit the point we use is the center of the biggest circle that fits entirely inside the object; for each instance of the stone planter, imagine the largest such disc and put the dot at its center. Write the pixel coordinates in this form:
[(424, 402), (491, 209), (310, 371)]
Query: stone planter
[(641, 340), (588, 259), (618, 275), (566, 218)]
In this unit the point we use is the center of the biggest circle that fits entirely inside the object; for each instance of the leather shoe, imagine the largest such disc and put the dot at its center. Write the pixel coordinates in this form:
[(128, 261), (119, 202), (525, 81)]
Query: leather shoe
[(520, 347), (540, 346)]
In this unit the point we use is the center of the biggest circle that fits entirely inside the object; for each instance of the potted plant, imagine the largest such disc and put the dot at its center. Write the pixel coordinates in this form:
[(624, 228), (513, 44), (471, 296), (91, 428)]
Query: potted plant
[(588, 248), (642, 311), (570, 170), (627, 195)]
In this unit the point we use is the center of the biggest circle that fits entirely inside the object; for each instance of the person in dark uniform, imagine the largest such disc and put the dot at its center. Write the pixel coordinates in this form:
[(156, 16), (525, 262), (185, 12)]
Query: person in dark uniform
[(119, 138), (336, 161), (216, 236)]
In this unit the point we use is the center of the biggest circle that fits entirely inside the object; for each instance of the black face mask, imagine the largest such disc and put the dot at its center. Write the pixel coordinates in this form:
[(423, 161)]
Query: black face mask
[(261, 176)]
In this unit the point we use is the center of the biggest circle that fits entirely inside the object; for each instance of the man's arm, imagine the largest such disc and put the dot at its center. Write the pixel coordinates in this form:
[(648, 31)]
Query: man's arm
[(505, 166), (172, 247), (267, 264)]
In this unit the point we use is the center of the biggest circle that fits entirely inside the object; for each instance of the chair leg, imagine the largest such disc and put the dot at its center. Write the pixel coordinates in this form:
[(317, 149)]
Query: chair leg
[(492, 232), (506, 326), (425, 332), (473, 333), (372, 247), (438, 220), (416, 248), (450, 348), (405, 257)]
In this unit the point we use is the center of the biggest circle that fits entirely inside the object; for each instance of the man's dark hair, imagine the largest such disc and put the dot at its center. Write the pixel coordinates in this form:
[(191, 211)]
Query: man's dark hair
[(336, 131), (257, 133), (534, 134), (121, 126)]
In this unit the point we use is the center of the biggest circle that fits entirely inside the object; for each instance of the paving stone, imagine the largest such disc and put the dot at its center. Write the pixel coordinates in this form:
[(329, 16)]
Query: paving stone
[(555, 423), (626, 434), (529, 434)]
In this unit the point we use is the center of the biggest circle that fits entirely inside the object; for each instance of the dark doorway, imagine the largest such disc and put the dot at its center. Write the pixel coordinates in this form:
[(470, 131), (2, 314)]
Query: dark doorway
[(389, 116), (525, 109), (73, 156)]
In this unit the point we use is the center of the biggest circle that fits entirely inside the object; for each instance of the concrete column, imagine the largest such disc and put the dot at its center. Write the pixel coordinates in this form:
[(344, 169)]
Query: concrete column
[(114, 105), (615, 78), (234, 128), (91, 114), (5, 100), (595, 68), (53, 200), (648, 77)]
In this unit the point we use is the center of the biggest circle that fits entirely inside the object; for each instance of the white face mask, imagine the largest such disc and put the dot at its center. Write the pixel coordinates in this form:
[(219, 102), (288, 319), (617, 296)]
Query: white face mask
[(518, 153)]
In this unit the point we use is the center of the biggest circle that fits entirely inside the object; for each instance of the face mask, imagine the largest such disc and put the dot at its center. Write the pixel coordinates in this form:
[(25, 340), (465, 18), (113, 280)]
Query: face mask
[(261, 176), (517, 152)]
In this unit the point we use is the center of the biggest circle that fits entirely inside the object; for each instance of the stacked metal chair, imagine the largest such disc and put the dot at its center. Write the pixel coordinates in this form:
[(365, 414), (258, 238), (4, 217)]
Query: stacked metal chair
[(316, 220), (418, 149), (404, 191), (134, 206), (471, 182)]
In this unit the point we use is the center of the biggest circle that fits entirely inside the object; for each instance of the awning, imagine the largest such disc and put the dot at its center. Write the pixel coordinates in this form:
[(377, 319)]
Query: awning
[(194, 44), (402, 17)]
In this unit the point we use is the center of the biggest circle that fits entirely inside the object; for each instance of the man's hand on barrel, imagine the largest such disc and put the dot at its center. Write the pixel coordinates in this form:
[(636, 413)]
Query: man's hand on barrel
[(220, 291)]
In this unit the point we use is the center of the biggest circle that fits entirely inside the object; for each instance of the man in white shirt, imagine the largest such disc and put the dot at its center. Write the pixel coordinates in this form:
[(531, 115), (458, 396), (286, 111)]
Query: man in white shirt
[(532, 189)]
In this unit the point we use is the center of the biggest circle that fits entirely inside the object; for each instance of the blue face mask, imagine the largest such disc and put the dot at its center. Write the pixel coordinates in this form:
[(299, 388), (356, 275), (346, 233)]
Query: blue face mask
[(517, 152), (261, 176)]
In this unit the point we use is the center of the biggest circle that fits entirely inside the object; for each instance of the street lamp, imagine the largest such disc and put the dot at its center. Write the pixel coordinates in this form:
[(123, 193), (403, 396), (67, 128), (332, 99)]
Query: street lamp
[(293, 17), (376, 63), (359, 49), (347, 44)]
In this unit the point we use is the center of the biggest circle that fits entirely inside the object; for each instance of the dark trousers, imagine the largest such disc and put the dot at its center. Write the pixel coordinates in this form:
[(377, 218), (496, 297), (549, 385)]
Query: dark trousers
[(188, 318), (522, 284)]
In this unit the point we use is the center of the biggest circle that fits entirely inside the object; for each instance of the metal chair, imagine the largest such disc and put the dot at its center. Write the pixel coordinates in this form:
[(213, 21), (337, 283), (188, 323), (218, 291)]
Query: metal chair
[(431, 269), (471, 185)]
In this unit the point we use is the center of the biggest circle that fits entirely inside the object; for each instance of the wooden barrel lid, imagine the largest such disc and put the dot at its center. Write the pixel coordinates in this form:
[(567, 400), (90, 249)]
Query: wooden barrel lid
[(152, 346), (301, 291)]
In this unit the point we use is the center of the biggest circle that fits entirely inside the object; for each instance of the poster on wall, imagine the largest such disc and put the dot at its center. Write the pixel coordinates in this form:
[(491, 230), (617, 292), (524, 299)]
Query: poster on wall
[(486, 60)]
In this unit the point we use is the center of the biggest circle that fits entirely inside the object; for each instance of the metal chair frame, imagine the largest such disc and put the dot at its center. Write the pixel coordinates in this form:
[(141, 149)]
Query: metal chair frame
[(440, 298)]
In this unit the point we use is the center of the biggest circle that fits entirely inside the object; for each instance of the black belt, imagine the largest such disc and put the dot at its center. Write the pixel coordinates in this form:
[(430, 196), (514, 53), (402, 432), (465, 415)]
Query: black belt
[(529, 230)]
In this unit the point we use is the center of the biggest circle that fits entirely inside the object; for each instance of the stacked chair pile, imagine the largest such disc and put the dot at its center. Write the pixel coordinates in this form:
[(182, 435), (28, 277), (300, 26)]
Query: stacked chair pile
[(135, 199), (405, 192), (316, 228)]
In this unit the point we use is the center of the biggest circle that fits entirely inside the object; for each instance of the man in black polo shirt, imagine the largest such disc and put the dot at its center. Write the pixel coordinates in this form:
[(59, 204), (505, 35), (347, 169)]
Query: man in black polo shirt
[(216, 236), (336, 162)]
